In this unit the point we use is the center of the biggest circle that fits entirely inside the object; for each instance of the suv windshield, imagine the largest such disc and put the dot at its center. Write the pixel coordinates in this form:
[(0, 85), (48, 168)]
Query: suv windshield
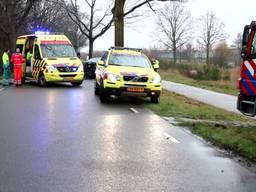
[(129, 60), (58, 50)]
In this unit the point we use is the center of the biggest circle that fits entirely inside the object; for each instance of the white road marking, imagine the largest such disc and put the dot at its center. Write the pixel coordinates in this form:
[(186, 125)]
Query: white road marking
[(169, 137), (134, 110), (1, 89)]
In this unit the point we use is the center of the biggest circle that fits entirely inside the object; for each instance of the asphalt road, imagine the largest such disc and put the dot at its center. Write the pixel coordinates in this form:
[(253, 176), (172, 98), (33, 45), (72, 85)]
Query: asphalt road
[(220, 100), (62, 139)]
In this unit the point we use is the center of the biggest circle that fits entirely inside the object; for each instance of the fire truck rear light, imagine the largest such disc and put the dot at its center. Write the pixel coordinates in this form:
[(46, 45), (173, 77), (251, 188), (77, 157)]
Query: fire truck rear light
[(239, 84)]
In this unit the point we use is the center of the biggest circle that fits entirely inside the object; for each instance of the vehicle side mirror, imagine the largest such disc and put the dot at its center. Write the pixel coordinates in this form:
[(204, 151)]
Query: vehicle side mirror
[(243, 52), (100, 62), (78, 55), (245, 35)]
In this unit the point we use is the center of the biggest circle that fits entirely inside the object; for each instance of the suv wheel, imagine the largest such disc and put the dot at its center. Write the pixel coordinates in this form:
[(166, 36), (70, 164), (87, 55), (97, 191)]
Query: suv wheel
[(96, 88), (155, 99), (77, 83), (103, 95)]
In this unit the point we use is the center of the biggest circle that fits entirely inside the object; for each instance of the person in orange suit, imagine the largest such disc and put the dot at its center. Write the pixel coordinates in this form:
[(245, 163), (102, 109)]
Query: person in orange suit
[(17, 61)]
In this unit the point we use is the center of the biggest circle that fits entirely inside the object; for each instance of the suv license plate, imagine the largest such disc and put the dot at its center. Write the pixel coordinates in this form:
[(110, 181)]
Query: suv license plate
[(135, 89)]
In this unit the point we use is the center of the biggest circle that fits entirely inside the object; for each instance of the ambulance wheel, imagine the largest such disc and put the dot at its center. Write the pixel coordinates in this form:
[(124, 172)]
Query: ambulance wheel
[(103, 95), (155, 99), (77, 83), (42, 81)]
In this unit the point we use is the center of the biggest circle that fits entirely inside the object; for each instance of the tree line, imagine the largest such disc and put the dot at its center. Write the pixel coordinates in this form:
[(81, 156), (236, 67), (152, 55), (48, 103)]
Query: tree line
[(84, 21), (179, 32)]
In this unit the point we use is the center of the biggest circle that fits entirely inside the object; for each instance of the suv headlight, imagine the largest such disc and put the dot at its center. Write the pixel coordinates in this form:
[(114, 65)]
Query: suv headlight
[(51, 68), (80, 68), (156, 80), (112, 77)]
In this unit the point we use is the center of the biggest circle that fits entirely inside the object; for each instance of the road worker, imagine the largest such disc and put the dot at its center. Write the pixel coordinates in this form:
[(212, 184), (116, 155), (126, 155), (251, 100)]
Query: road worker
[(155, 63), (6, 67), (17, 61)]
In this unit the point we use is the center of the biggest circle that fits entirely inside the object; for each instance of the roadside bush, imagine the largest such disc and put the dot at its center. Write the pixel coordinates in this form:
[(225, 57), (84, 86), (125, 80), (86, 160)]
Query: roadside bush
[(226, 75), (166, 65), (196, 71), (209, 73), (181, 67)]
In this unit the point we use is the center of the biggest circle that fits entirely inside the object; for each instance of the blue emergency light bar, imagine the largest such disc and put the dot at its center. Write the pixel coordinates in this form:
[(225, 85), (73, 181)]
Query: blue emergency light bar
[(48, 33), (42, 33)]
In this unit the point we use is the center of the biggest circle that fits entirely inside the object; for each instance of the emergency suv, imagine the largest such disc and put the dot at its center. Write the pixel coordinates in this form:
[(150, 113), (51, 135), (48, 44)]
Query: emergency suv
[(127, 71), (53, 59), (246, 101)]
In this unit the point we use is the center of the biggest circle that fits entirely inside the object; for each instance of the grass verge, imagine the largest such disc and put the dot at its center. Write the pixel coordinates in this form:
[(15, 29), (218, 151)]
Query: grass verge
[(239, 139), (228, 87)]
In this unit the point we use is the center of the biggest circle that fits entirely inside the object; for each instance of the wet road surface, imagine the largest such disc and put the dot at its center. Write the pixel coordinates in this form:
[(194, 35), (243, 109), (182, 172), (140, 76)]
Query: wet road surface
[(62, 139)]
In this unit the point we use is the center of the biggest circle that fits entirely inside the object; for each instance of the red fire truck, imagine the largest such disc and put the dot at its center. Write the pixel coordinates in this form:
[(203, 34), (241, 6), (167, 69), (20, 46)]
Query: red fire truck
[(246, 102)]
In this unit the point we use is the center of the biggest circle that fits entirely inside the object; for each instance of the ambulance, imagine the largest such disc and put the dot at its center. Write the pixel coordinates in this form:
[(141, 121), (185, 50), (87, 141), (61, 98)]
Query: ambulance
[(127, 71), (52, 59)]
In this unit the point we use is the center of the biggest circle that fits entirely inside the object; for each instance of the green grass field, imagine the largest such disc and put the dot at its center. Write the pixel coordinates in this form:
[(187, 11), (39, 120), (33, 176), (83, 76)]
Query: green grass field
[(239, 139), (228, 87)]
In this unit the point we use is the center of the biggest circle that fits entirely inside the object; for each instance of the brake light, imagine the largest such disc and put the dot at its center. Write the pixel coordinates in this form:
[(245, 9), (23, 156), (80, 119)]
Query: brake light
[(239, 84)]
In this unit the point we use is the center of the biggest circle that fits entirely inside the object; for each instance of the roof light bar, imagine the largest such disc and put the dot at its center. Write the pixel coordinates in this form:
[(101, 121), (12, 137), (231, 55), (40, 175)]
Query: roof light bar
[(125, 48)]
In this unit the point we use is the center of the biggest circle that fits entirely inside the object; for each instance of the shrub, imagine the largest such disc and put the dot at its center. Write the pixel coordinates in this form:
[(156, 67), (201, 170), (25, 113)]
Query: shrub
[(209, 73)]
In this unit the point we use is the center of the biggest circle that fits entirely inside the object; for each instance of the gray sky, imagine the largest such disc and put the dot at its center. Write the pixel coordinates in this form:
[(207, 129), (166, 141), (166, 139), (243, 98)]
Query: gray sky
[(234, 13)]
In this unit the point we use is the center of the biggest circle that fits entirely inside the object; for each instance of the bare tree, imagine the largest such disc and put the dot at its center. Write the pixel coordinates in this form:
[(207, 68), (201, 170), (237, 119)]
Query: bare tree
[(13, 15), (46, 16), (188, 52), (174, 24), (92, 25), (120, 13), (221, 55), (237, 44), (211, 32)]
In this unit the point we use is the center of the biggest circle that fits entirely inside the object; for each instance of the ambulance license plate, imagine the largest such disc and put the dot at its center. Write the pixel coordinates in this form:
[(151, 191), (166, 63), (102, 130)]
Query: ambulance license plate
[(135, 89), (68, 78)]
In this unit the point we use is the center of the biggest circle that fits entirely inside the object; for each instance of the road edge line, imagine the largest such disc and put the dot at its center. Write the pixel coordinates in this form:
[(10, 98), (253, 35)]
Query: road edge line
[(134, 110), (171, 138)]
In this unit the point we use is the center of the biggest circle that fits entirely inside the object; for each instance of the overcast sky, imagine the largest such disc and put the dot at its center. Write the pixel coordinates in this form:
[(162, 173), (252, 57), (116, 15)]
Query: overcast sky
[(234, 13)]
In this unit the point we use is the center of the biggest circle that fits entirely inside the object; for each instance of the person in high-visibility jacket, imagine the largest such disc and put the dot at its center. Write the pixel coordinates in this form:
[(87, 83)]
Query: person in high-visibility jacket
[(17, 61), (28, 60), (155, 64), (6, 67)]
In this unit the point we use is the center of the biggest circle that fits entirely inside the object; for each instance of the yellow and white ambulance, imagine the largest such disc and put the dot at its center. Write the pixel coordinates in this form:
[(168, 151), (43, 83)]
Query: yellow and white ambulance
[(127, 71), (53, 59)]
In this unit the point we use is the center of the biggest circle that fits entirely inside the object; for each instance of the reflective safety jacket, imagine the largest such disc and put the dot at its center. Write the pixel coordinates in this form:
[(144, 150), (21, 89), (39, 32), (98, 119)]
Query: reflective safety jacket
[(17, 59), (29, 55), (5, 58)]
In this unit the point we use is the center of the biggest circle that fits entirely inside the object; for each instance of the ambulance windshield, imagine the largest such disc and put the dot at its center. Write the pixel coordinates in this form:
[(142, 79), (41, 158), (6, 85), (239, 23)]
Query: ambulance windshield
[(129, 60), (57, 50)]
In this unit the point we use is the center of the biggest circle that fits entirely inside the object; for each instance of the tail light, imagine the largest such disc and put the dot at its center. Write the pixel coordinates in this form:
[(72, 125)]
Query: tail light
[(239, 84)]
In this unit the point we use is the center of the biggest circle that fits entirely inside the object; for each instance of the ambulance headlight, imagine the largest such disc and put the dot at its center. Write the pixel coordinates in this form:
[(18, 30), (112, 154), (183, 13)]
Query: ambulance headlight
[(112, 77), (156, 80), (81, 68), (50, 68)]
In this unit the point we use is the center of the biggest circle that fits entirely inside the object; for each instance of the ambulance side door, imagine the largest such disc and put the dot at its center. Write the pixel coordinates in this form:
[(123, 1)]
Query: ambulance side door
[(36, 55)]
